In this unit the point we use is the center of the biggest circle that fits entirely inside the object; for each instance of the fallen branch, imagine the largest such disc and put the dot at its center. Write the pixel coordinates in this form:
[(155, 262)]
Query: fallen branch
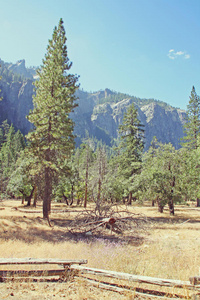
[(183, 222), (117, 221)]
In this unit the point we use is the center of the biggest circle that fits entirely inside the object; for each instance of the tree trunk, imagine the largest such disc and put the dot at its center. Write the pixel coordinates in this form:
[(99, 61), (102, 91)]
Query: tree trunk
[(35, 196), (86, 180), (78, 201), (27, 198), (160, 205), (98, 203), (130, 197), (198, 202), (171, 207), (47, 194), (160, 208), (72, 195), (152, 203), (65, 199)]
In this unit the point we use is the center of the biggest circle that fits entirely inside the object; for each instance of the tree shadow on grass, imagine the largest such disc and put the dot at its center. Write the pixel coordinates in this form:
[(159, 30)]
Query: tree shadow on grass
[(176, 221), (36, 231), (80, 233)]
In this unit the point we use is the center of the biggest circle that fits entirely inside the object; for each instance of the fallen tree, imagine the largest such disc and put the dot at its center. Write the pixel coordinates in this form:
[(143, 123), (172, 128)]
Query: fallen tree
[(112, 219)]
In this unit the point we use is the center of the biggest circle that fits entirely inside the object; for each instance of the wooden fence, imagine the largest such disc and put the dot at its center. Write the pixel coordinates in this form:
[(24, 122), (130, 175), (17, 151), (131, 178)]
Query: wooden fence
[(190, 289)]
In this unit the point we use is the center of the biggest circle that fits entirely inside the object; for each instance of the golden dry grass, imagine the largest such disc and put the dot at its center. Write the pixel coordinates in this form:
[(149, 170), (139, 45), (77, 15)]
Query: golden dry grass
[(168, 248)]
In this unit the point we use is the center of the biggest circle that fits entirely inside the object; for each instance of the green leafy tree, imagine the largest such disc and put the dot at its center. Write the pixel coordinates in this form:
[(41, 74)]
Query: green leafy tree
[(159, 179), (113, 186), (189, 174), (52, 141), (13, 144), (130, 149), (192, 125), (21, 183)]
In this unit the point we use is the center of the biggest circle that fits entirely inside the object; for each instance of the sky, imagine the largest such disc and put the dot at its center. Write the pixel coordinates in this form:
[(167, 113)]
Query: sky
[(144, 48)]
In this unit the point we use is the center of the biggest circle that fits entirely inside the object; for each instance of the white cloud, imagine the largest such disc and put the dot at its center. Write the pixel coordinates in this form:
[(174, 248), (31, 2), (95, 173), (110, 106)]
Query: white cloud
[(179, 53), (172, 54), (187, 56)]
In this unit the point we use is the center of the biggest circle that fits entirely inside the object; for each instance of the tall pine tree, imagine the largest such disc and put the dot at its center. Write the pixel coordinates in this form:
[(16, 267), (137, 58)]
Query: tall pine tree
[(52, 141), (192, 125), (130, 148)]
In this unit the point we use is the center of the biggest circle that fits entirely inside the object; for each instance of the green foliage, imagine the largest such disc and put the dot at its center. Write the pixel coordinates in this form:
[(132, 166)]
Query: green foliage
[(21, 182), (7, 75), (130, 148), (52, 141), (12, 143), (189, 173), (192, 125), (159, 179)]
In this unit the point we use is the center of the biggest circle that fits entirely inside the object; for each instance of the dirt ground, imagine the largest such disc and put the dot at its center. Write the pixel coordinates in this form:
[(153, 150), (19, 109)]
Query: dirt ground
[(165, 247)]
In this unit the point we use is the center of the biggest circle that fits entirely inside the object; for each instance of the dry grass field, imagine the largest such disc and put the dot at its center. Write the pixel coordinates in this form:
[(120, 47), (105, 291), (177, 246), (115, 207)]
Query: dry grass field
[(166, 247)]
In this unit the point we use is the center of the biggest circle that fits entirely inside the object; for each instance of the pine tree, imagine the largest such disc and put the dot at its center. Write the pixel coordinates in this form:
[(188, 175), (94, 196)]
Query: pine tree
[(192, 125), (52, 141), (131, 147)]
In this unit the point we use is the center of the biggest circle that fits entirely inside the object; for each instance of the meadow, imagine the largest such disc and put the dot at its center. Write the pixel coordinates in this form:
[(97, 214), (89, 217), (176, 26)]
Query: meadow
[(165, 247)]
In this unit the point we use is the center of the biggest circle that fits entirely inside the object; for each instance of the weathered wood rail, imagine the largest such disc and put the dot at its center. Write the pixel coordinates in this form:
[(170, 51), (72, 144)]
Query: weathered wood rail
[(67, 267), (153, 294), (65, 264)]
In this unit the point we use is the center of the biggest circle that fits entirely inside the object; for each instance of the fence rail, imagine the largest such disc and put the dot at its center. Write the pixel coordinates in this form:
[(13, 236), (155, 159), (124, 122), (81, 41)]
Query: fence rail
[(76, 268), (191, 285)]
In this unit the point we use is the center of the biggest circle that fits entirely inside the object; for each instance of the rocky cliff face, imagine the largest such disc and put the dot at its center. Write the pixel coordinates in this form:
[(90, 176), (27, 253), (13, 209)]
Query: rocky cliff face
[(164, 123), (98, 114), (16, 104), (20, 68)]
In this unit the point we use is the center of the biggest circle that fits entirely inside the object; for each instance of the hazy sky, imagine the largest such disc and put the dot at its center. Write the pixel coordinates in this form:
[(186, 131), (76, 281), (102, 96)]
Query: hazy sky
[(146, 48)]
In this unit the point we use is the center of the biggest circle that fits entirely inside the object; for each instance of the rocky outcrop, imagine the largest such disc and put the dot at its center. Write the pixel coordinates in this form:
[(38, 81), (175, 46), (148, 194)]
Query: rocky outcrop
[(20, 68), (16, 104), (164, 123)]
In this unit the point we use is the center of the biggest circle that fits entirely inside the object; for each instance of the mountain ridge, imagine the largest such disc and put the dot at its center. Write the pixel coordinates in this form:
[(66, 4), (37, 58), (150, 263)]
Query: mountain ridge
[(98, 114)]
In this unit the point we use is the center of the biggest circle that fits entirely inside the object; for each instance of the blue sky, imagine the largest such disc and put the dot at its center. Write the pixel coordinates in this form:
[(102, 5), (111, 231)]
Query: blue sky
[(146, 48)]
